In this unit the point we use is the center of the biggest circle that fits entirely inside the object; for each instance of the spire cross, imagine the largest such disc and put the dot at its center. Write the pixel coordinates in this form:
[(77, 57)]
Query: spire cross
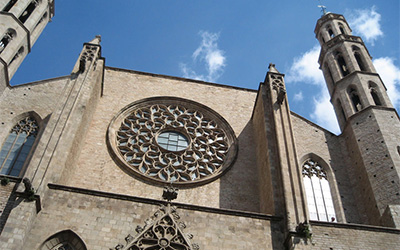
[(323, 8)]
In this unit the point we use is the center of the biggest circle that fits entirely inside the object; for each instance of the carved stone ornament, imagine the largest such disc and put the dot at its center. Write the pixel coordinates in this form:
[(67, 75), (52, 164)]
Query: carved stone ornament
[(311, 168), (165, 232), (172, 140), (277, 84)]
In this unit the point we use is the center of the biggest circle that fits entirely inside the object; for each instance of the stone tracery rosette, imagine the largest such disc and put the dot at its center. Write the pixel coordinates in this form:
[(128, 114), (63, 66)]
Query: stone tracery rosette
[(205, 147)]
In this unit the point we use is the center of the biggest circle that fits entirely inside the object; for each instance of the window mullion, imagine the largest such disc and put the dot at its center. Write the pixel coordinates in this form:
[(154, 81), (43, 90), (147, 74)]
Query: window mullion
[(9, 151)]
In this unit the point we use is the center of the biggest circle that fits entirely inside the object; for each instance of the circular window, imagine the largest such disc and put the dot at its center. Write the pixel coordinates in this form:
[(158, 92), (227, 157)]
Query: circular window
[(172, 140)]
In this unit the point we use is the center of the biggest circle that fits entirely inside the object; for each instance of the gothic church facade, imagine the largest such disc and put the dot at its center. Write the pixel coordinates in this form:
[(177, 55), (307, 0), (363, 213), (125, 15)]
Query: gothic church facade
[(93, 160)]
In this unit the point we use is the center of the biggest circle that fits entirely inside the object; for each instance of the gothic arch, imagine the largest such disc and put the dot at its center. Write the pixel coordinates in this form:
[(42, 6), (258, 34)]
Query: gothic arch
[(330, 176), (66, 239), (20, 143), (7, 38), (375, 93), (341, 28), (355, 99), (341, 110), (341, 63), (359, 58)]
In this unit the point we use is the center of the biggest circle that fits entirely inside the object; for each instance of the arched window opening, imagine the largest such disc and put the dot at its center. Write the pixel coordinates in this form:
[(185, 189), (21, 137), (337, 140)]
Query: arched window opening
[(41, 20), (355, 99), (8, 36), (329, 74), (28, 11), (318, 192), (330, 32), (339, 104), (357, 55), (360, 62), (18, 54), (341, 28), (17, 146), (65, 240), (9, 5), (342, 65), (375, 96)]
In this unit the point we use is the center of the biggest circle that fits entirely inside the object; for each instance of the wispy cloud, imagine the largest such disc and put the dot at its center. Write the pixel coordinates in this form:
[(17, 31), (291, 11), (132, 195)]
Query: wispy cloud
[(208, 53), (305, 69), (298, 97), (390, 75), (366, 23)]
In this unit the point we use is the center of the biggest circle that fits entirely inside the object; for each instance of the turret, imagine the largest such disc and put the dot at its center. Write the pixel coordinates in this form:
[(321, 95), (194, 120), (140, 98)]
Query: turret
[(369, 123), (22, 23)]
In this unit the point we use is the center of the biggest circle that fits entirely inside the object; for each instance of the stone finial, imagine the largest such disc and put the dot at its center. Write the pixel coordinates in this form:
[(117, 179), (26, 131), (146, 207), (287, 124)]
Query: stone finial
[(272, 68), (96, 40)]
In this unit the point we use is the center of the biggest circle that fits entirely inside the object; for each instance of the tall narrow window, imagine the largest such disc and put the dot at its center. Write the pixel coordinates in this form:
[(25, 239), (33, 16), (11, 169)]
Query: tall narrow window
[(341, 28), (318, 192), (357, 55), (329, 73), (18, 54), (8, 36), (28, 11), (9, 5), (355, 99), (331, 35), (342, 65), (339, 104), (64, 240), (375, 96), (17, 146)]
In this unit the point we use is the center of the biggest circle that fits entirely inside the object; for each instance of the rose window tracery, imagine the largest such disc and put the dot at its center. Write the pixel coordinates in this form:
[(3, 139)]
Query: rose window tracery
[(172, 140)]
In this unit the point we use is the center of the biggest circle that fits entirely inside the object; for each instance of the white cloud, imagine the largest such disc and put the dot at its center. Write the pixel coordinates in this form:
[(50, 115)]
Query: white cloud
[(366, 23), (298, 97), (323, 113), (390, 75), (306, 68), (208, 53)]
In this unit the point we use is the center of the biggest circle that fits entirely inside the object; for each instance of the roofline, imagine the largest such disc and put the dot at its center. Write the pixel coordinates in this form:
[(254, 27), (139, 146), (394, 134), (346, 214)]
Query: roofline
[(312, 123), (180, 79), (38, 82)]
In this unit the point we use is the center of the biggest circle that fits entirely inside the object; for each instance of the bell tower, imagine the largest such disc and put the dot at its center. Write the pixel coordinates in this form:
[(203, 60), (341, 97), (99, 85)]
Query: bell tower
[(369, 123), (22, 21)]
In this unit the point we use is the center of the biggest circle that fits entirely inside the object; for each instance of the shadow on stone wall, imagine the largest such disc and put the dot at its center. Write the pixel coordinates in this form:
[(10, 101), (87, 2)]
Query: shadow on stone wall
[(239, 186)]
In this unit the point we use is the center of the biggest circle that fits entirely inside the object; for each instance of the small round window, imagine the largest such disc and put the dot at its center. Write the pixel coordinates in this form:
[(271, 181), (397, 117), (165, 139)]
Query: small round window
[(172, 141)]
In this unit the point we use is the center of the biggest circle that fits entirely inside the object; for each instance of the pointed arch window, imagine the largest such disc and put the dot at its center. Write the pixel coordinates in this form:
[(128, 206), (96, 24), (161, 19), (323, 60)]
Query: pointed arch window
[(9, 5), (330, 32), (339, 104), (17, 146), (8, 36), (341, 28), (342, 65), (28, 11), (319, 197), (357, 55), (64, 240), (375, 94), (329, 73), (355, 100)]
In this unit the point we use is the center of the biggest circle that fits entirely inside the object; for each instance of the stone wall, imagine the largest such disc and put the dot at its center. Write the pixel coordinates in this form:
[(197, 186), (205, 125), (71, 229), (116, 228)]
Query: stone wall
[(315, 142), (102, 222), (237, 189)]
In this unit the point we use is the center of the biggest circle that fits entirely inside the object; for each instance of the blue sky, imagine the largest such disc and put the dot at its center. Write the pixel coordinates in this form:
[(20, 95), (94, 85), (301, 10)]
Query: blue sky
[(228, 42)]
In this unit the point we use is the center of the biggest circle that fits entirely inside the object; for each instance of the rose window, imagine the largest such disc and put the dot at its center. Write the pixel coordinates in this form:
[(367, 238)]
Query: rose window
[(172, 140)]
